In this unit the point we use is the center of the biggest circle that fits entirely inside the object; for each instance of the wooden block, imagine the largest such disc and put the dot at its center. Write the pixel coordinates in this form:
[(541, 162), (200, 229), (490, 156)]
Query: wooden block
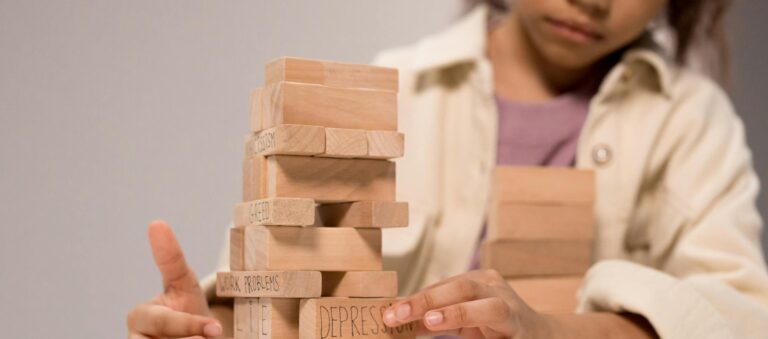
[(272, 284), (343, 318), (515, 221), (345, 143), (385, 144), (331, 74), (253, 176), (276, 211), (312, 248), (544, 185), (328, 179), (236, 256), (556, 295), (360, 284), (279, 318), (246, 318), (256, 109), (288, 139), (537, 258), (364, 214), (304, 104)]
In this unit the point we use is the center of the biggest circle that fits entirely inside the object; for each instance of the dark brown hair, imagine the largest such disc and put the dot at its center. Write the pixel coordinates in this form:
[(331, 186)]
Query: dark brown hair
[(696, 23)]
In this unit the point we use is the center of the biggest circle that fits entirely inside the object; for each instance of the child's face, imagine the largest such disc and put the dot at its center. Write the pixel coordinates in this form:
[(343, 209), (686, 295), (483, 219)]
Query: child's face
[(578, 33)]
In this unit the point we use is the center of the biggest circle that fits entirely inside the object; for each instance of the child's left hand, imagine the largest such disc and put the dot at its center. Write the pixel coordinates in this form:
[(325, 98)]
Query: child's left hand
[(477, 304)]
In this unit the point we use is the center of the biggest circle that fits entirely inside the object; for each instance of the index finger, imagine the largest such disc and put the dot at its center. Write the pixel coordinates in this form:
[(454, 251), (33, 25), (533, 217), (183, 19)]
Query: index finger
[(169, 258)]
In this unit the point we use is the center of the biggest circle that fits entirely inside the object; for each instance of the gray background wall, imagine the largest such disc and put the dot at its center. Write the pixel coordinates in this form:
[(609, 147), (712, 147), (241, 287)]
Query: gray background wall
[(113, 113)]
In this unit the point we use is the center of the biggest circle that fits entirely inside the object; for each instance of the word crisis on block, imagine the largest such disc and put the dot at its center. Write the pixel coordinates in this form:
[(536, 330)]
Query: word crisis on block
[(276, 211), (385, 144), (264, 318), (345, 143), (348, 318), (328, 179), (277, 284), (312, 248), (287, 139), (360, 284), (516, 221), (364, 214), (544, 185), (308, 104), (556, 295), (537, 258), (236, 254), (331, 74)]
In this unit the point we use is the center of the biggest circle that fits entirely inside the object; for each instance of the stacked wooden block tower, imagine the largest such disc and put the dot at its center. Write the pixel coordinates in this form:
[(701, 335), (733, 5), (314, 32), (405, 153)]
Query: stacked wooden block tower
[(318, 186), (540, 233)]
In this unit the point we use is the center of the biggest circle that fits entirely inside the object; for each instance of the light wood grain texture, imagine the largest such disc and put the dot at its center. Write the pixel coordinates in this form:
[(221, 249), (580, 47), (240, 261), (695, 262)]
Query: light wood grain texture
[(304, 104), (544, 185), (288, 139), (537, 258), (342, 318), (276, 211), (273, 284), (556, 295), (257, 109), (253, 176), (236, 254), (360, 284), (345, 143), (246, 318), (517, 221), (312, 248), (329, 180), (385, 144), (279, 318), (331, 73), (364, 214)]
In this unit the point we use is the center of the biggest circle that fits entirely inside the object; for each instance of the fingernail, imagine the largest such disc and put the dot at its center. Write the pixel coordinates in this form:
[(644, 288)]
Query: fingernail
[(212, 330), (389, 318), (433, 318), (403, 311)]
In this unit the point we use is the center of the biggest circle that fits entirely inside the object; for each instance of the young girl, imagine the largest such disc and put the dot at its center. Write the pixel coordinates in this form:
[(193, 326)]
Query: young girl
[(558, 83)]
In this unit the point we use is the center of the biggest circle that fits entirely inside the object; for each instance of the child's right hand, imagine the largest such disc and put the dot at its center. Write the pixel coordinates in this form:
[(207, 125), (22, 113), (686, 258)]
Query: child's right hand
[(181, 310)]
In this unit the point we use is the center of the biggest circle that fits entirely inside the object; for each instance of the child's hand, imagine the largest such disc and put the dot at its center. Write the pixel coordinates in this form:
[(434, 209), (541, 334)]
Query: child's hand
[(181, 310), (477, 304)]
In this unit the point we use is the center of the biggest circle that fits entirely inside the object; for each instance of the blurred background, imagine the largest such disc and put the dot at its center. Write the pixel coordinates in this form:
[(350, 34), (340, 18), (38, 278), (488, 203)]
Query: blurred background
[(114, 113)]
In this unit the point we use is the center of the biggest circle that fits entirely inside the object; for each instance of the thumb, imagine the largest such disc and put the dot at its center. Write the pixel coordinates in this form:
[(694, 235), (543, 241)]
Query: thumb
[(170, 259)]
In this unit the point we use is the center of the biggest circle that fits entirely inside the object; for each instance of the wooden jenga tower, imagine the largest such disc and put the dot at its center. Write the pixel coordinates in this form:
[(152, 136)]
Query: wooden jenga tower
[(318, 186), (540, 233)]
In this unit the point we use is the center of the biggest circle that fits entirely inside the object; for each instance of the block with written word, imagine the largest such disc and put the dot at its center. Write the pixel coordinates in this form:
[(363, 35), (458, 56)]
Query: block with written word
[(273, 284), (544, 185), (287, 139), (276, 211), (342, 318), (331, 74), (385, 144), (308, 104), (518, 221), (246, 318), (345, 143), (364, 214), (537, 258), (328, 179), (312, 248), (360, 284), (555, 295)]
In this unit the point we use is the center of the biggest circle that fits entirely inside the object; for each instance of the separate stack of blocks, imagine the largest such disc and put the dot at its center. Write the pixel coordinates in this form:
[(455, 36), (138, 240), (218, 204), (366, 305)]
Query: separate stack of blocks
[(318, 186), (540, 233)]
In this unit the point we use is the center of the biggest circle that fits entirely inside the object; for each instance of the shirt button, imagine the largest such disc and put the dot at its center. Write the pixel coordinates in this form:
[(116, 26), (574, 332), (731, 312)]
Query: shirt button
[(601, 154)]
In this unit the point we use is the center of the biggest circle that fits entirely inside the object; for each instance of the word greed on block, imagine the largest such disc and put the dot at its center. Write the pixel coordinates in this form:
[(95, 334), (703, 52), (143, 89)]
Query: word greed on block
[(276, 211), (278, 284), (348, 318)]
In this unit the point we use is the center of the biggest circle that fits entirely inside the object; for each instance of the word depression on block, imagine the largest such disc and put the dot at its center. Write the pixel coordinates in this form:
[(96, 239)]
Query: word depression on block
[(348, 318)]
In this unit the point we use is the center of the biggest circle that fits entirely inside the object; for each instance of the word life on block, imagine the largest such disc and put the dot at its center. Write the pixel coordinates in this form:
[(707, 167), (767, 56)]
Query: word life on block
[(263, 318), (343, 318)]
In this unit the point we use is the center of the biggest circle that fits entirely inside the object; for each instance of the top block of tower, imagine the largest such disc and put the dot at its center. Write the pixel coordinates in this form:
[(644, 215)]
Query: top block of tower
[(331, 74)]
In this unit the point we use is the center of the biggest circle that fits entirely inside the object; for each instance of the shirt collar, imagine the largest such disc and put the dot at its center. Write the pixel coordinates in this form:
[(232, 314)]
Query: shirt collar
[(465, 41)]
